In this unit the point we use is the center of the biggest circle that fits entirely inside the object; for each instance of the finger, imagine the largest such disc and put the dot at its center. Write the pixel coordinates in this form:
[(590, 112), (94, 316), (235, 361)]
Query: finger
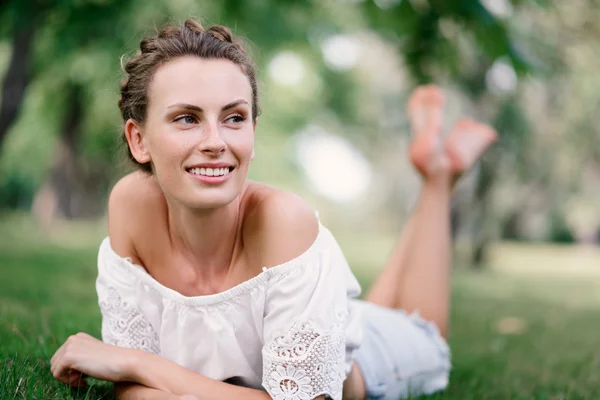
[(69, 342), (77, 379), (56, 355), (59, 374), (62, 370), (79, 384), (63, 377), (55, 361)]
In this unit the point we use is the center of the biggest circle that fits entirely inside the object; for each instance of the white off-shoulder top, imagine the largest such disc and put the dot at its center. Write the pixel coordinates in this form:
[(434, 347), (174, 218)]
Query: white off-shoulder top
[(292, 329)]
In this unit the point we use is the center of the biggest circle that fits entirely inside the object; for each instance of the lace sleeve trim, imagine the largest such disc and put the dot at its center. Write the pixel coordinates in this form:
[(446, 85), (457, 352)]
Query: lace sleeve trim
[(123, 324), (306, 362)]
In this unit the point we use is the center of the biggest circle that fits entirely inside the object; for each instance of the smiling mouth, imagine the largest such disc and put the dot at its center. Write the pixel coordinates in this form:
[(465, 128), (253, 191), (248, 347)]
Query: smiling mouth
[(210, 171)]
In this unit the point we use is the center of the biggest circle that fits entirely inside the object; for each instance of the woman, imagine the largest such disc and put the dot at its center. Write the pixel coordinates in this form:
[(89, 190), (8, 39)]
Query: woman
[(214, 286)]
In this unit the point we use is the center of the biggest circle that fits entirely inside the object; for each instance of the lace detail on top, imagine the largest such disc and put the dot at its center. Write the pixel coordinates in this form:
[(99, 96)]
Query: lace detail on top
[(123, 324), (306, 362)]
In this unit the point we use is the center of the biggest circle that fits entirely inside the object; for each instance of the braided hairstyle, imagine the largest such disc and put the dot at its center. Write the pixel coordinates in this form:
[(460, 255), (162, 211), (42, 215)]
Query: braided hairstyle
[(171, 42)]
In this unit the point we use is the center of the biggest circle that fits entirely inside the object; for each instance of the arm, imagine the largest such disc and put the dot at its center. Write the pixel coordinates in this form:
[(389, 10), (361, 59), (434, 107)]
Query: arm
[(157, 377), (135, 391), (138, 374), (166, 376)]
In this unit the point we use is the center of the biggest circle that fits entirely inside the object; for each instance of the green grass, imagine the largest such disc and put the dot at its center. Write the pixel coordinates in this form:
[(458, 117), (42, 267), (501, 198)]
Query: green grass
[(527, 328)]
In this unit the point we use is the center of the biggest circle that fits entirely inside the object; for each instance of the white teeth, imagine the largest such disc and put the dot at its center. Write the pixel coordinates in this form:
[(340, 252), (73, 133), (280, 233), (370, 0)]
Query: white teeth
[(210, 171)]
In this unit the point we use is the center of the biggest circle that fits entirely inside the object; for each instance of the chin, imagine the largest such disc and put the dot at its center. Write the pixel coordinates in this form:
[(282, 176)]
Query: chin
[(211, 198), (202, 196)]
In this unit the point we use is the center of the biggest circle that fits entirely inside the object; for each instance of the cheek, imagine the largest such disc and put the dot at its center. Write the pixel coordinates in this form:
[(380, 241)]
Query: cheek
[(167, 148), (243, 145)]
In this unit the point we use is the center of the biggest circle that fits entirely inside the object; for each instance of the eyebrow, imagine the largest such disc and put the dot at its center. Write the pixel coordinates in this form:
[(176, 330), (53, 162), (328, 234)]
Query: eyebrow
[(196, 108)]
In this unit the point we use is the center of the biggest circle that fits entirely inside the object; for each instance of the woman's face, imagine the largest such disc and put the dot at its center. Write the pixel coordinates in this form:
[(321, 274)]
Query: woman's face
[(199, 133)]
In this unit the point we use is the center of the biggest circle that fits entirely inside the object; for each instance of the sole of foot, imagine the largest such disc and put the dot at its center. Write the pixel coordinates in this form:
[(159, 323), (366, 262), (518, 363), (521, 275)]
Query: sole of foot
[(467, 142), (425, 112), (426, 108)]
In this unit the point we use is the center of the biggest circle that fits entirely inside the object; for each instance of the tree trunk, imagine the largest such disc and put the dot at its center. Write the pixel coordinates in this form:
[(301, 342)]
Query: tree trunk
[(16, 79), (56, 196), (482, 197)]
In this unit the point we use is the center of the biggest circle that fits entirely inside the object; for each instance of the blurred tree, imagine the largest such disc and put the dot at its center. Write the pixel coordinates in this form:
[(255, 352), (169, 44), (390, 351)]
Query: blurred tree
[(56, 195), (77, 45), (25, 17), (68, 29)]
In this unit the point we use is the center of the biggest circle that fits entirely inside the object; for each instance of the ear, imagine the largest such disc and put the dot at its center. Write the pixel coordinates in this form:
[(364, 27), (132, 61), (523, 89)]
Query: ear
[(136, 141)]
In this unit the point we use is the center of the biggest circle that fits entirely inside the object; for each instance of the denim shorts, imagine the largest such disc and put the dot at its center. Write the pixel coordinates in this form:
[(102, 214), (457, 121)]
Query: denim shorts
[(401, 355)]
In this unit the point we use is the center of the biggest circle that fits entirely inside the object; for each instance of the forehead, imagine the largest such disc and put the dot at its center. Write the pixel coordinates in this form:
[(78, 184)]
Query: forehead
[(200, 82)]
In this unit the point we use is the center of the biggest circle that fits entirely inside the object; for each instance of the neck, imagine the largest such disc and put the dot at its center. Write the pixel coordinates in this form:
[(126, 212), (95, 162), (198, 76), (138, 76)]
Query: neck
[(206, 238)]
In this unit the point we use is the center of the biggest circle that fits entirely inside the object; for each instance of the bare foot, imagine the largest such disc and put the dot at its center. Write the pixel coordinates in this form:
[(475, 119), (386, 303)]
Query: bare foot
[(425, 111), (426, 108), (466, 144)]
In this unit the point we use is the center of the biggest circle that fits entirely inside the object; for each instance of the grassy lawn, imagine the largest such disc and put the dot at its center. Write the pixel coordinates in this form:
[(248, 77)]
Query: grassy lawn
[(526, 328)]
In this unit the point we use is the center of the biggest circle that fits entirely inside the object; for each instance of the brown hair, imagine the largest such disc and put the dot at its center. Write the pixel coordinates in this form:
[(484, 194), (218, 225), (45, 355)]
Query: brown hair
[(190, 39)]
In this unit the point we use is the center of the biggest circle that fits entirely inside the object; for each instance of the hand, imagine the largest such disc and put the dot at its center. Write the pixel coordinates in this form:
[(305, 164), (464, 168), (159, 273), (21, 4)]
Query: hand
[(83, 355)]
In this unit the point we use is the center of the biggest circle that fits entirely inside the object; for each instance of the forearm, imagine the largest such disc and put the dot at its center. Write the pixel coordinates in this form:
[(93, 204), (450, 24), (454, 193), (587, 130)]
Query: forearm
[(159, 373), (135, 391)]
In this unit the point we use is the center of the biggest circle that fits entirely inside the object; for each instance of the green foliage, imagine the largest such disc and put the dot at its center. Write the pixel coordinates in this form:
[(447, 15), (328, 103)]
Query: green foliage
[(514, 129), (560, 233), (16, 192), (430, 52)]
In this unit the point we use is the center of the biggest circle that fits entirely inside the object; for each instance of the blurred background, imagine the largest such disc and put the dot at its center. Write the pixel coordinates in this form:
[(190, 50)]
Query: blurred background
[(334, 78)]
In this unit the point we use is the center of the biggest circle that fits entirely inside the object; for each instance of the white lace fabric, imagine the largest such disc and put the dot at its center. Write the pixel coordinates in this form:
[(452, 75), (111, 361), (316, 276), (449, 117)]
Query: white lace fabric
[(305, 363), (291, 329), (123, 324)]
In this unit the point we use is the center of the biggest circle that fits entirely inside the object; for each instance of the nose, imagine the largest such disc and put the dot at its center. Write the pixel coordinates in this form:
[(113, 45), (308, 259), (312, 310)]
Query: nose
[(212, 143)]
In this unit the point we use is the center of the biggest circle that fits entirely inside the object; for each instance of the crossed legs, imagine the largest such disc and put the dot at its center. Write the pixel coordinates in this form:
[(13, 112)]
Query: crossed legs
[(417, 276)]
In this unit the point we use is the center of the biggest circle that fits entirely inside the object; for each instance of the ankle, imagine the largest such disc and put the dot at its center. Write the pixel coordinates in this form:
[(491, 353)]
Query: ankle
[(440, 178), (439, 168)]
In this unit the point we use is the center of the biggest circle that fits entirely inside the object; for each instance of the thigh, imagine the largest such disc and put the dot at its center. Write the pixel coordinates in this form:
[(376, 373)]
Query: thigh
[(401, 355)]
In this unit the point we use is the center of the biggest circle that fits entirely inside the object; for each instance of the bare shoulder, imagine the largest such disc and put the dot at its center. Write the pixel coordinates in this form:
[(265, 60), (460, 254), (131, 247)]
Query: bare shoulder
[(278, 226), (132, 206)]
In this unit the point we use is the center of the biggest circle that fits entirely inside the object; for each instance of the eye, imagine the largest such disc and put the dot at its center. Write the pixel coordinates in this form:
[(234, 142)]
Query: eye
[(186, 119), (235, 119)]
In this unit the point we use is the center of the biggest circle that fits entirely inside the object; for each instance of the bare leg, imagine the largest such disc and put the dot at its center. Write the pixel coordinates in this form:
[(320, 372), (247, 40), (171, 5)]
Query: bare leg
[(425, 280), (425, 109), (385, 289), (417, 275)]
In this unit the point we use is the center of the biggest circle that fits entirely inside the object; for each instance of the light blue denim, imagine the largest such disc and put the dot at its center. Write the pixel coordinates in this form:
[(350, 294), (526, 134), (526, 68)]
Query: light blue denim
[(401, 355)]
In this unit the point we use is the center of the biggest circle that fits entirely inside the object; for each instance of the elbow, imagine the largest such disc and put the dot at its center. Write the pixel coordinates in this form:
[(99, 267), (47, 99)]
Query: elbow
[(122, 390), (129, 391), (134, 391)]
